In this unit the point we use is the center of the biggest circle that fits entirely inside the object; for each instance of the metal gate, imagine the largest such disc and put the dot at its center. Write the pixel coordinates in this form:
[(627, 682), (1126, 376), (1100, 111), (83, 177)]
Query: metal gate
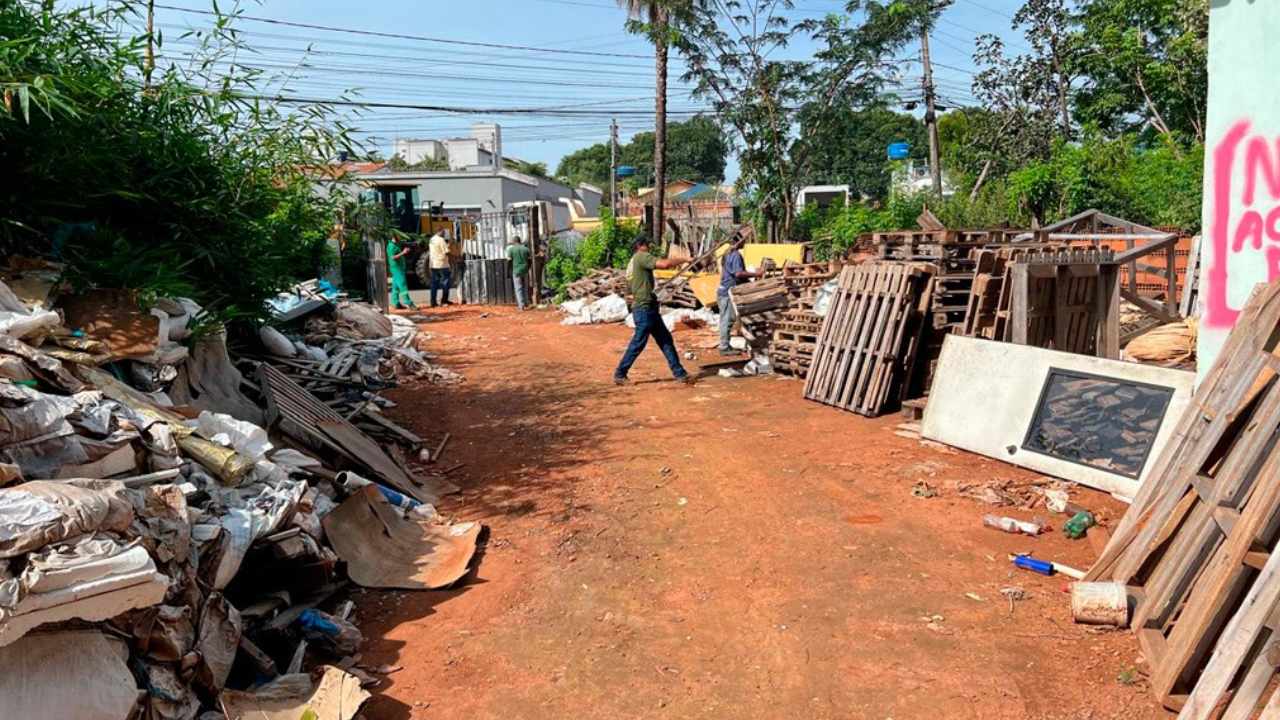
[(493, 231), (486, 272)]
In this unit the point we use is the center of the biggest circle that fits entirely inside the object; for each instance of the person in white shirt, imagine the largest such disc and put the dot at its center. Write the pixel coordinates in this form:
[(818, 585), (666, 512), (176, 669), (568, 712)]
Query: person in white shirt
[(439, 259)]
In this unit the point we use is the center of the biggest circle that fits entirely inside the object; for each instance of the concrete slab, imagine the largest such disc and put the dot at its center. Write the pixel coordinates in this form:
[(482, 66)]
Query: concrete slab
[(985, 395)]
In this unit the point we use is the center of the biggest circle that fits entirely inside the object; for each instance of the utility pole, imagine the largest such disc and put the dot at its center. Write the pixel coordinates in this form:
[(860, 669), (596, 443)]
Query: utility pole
[(613, 167), (151, 45), (930, 115)]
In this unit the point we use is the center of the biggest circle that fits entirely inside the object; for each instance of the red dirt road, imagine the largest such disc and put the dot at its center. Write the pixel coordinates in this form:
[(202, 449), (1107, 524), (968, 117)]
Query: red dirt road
[(728, 550)]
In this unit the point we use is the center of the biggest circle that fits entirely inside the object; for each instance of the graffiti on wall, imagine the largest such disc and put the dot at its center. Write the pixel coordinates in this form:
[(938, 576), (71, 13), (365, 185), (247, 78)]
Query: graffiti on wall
[(1244, 216)]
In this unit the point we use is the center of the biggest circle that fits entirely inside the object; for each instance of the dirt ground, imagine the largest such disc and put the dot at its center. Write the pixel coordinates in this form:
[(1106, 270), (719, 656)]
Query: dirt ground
[(727, 550)]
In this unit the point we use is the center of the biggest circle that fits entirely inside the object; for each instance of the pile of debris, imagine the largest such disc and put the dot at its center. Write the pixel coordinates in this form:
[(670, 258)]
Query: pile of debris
[(181, 533)]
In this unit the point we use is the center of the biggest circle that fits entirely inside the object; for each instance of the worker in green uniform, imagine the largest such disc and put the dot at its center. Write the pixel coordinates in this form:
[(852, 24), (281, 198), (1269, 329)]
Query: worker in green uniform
[(518, 254), (396, 253)]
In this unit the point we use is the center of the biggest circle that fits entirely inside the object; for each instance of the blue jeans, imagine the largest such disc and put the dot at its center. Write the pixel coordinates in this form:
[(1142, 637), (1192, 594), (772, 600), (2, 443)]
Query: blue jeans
[(649, 322), (439, 280), (518, 280)]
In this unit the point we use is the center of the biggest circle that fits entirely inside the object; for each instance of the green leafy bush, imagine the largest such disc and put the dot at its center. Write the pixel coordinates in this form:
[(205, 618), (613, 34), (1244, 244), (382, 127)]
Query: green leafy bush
[(187, 185)]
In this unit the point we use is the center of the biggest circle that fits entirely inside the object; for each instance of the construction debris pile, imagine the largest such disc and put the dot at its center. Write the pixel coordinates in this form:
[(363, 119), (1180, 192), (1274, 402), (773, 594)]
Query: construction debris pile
[(177, 528)]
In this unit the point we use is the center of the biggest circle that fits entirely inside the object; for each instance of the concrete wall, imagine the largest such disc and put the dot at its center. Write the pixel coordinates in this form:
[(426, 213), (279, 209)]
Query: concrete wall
[(1241, 233), (415, 151)]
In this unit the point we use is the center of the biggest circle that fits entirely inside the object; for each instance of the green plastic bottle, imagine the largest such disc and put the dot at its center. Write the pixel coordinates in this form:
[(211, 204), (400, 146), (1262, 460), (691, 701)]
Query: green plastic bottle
[(1078, 525)]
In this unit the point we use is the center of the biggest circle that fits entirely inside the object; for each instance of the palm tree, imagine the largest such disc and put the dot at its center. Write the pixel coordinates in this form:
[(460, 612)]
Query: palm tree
[(657, 14)]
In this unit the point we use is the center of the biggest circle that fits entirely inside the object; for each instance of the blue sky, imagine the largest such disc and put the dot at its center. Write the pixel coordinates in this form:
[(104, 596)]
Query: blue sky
[(584, 59)]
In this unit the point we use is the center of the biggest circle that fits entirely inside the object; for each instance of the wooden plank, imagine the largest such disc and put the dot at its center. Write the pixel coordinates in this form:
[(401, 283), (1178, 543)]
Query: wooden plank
[(1237, 639)]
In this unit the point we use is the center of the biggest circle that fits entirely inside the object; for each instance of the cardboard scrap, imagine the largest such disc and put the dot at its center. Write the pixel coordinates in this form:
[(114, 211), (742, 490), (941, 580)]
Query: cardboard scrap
[(338, 696), (383, 549)]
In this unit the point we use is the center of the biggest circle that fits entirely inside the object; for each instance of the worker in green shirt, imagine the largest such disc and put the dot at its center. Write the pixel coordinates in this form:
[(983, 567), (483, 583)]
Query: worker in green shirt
[(397, 250), (644, 310), (518, 254)]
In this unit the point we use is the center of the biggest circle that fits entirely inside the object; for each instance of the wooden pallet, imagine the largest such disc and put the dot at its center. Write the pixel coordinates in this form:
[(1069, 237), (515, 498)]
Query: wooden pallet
[(1199, 545), (869, 337)]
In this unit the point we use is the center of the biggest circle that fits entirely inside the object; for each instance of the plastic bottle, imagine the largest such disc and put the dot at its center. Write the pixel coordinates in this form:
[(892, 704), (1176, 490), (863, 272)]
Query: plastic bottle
[(1078, 525), (1012, 525)]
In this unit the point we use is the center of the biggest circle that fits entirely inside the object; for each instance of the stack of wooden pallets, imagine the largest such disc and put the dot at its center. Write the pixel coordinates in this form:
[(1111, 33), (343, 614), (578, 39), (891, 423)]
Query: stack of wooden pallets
[(795, 337), (1199, 546), (794, 332), (870, 337)]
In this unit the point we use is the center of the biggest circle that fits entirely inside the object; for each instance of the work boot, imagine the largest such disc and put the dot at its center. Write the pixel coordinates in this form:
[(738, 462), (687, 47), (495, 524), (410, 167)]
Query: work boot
[(619, 380), (688, 379)]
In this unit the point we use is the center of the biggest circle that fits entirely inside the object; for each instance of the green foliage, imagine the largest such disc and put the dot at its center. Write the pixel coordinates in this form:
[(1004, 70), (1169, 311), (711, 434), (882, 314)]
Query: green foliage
[(189, 186), (697, 150), (1158, 186), (536, 169), (427, 164), (607, 246), (855, 153), (1147, 64)]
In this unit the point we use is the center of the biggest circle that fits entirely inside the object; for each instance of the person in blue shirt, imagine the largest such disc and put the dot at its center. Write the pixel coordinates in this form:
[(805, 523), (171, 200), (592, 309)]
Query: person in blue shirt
[(733, 271)]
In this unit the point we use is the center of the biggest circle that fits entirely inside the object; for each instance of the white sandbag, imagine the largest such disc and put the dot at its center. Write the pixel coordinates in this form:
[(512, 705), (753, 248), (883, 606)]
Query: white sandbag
[(275, 342), (311, 353), (610, 308), (80, 674), (245, 438), (19, 321)]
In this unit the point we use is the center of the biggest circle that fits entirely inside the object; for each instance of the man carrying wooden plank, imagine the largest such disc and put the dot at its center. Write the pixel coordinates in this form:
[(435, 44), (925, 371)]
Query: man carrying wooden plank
[(733, 270), (644, 311)]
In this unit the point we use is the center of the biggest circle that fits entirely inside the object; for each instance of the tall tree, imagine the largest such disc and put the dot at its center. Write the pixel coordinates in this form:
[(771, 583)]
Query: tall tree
[(652, 17), (732, 52), (1027, 96), (1145, 65), (854, 152), (697, 150)]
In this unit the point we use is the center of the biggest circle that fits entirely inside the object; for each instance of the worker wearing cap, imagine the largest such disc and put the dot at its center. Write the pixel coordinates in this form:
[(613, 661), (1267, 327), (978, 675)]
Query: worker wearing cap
[(733, 270), (644, 310)]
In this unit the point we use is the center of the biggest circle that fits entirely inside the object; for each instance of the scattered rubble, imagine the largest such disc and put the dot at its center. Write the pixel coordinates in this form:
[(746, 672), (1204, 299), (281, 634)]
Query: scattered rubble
[(171, 511)]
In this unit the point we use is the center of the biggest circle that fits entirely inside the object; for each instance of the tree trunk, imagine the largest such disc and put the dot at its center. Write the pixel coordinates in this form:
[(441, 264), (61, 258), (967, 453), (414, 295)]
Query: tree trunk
[(660, 127), (982, 177)]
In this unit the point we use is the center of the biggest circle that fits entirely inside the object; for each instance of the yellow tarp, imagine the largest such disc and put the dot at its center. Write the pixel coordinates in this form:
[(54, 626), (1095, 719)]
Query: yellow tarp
[(704, 284), (780, 253)]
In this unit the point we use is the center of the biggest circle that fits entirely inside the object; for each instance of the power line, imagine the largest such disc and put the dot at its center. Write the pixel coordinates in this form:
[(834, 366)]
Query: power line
[(376, 71), (259, 49), (988, 8), (311, 39), (403, 36), (339, 102)]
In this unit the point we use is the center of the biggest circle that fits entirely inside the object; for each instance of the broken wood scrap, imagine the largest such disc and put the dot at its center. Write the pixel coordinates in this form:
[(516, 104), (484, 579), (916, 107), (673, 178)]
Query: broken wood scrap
[(435, 456)]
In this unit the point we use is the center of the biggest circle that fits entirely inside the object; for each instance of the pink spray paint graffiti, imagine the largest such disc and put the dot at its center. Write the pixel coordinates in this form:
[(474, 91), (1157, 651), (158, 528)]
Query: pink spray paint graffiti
[(1255, 230)]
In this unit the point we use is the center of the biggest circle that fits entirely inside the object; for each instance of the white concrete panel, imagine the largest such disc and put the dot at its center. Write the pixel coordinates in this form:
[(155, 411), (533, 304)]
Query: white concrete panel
[(985, 394)]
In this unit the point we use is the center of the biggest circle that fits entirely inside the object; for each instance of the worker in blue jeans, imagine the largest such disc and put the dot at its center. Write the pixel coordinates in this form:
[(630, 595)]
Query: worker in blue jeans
[(644, 310)]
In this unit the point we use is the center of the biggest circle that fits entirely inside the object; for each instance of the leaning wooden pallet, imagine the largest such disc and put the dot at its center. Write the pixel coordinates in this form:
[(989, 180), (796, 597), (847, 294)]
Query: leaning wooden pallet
[(861, 353), (1199, 545)]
